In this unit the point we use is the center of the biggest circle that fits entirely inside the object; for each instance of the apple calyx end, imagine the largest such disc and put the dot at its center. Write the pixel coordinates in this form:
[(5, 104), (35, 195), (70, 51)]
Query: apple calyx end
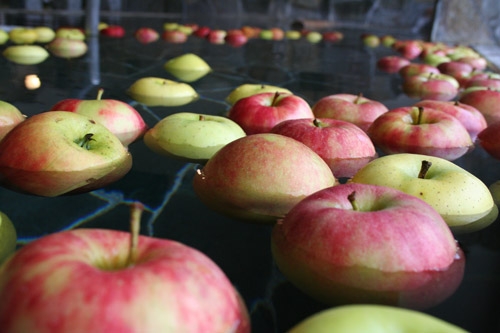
[(352, 199), (424, 168)]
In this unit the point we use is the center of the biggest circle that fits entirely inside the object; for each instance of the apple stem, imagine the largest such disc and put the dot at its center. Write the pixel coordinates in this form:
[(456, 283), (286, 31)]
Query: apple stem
[(358, 99), (426, 165), (85, 141), (99, 93), (352, 199), (201, 118), (136, 210), (317, 122), (419, 116), (276, 95)]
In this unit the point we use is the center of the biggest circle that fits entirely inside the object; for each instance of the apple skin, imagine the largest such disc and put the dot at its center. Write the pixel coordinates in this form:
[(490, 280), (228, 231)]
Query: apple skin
[(391, 63), (409, 49), (67, 48), (174, 36), (171, 287), (42, 156), (8, 237), (120, 118), (441, 87), (249, 89), (260, 177), (235, 38), (157, 91), (338, 254), (356, 109), (113, 31), (70, 33), (146, 35), (410, 129), (373, 318), (484, 99), (473, 120), (345, 147), (459, 70), (202, 32), (217, 36), (261, 112), (21, 35), (489, 139), (188, 67), (10, 117), (416, 68)]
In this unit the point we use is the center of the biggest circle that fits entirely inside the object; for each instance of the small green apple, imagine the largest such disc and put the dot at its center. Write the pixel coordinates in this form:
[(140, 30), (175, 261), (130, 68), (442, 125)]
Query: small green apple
[(26, 54), (249, 89), (4, 36), (44, 34), (314, 37), (8, 237), (188, 67), (155, 91), (70, 33), (23, 35), (293, 34)]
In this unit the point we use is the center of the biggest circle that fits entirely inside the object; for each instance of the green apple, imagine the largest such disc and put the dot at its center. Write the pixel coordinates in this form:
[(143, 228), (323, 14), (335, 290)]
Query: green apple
[(44, 34), (293, 34), (10, 116), (249, 89), (8, 237), (191, 136), (4, 36), (26, 54), (70, 33), (67, 48), (188, 67), (23, 35), (155, 91), (461, 198), (372, 319)]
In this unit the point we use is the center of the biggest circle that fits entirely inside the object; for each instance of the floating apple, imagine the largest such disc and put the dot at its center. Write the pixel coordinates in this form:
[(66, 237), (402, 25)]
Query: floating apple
[(70, 33), (67, 48), (98, 280), (174, 36), (441, 87), (4, 36), (260, 177), (191, 136), (332, 36), (57, 152), (10, 117), (44, 34), (21, 35), (387, 40), (26, 54), (120, 118), (461, 198), (359, 243), (392, 64), (202, 32), (486, 100), (249, 89), (416, 68), (188, 67), (156, 91), (113, 31), (8, 237), (370, 40), (373, 318), (235, 38), (409, 49), (489, 139)]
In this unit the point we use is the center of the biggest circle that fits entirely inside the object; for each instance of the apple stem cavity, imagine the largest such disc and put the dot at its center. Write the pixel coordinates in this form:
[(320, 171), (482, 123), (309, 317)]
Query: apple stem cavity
[(317, 123), (136, 210), (85, 141), (352, 199), (424, 168), (99, 93)]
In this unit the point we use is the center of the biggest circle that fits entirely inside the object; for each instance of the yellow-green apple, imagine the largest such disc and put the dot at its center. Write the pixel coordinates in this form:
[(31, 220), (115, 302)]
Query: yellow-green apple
[(356, 109), (419, 130), (113, 31), (409, 49), (370, 40), (362, 243), (8, 237), (435, 59), (186, 28), (260, 177), (4, 36), (473, 120), (120, 118), (174, 36), (156, 91), (440, 87), (314, 37), (192, 136), (345, 147), (489, 139), (273, 33), (461, 71), (217, 36), (22, 35), (171, 26), (188, 67), (478, 79), (485, 99), (67, 48), (70, 33), (26, 54), (292, 34), (57, 152), (102, 280), (261, 112), (372, 318), (461, 198), (44, 34), (10, 117), (249, 89), (392, 63), (146, 35), (415, 68), (387, 40), (235, 38)]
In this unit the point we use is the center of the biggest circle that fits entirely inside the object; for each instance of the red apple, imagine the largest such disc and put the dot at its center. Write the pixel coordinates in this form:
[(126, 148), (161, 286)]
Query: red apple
[(473, 120), (486, 100), (332, 36), (355, 109), (487, 81), (260, 177), (114, 31), (416, 68), (236, 38), (217, 36), (261, 112), (358, 243), (174, 36), (98, 280), (459, 70), (120, 118), (489, 139), (477, 62), (345, 147), (420, 130), (440, 87), (392, 63), (146, 35), (201, 32), (409, 49)]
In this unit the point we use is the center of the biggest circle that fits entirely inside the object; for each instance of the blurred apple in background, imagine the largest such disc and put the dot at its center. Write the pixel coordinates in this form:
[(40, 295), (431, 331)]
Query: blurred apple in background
[(372, 319), (157, 91), (356, 109), (332, 36), (419, 130), (250, 31), (314, 37), (462, 199), (345, 147), (391, 63), (249, 89), (489, 139), (44, 34), (434, 59), (486, 100), (191, 136), (146, 35), (25, 54), (202, 32), (235, 38), (187, 67), (113, 31), (10, 117), (8, 237), (261, 112), (22, 35), (370, 40), (416, 68), (461, 71), (488, 81), (409, 49), (359, 243), (70, 33), (293, 34), (4, 36), (120, 118), (67, 48), (174, 36), (260, 177), (57, 152), (440, 87), (217, 36)]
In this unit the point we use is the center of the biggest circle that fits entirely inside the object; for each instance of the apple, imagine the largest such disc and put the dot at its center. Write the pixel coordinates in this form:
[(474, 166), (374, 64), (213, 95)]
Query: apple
[(171, 26), (434, 59), (477, 62), (370, 40), (261, 112), (44, 34), (361, 243), (387, 40), (10, 117), (25, 54), (472, 119), (461, 198), (332, 36), (70, 33), (202, 32), (101, 280), (293, 34), (489, 139), (487, 81), (342, 145), (249, 89), (32, 82), (314, 37), (146, 35), (374, 318), (416, 68), (67, 48), (356, 109), (4, 36), (235, 38), (273, 33), (251, 31), (486, 100), (187, 29), (156, 91), (191, 136), (21, 35), (259, 178), (459, 70), (113, 31), (57, 152), (217, 36), (120, 118), (420, 130), (8, 237), (174, 36), (188, 67), (409, 49), (441, 87), (392, 63)]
